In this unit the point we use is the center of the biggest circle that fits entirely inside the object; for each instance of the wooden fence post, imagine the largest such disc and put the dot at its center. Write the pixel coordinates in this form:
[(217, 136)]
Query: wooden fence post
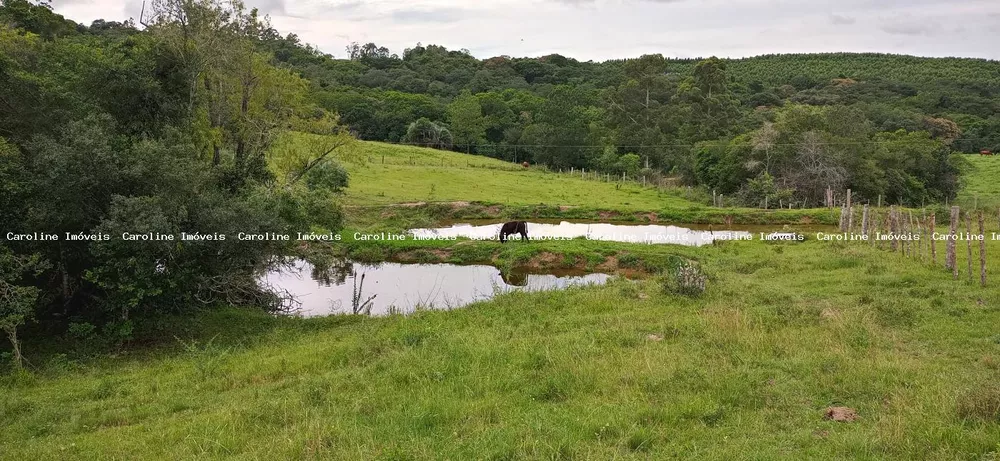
[(982, 250), (873, 226), (893, 229), (905, 234), (864, 220), (933, 228), (950, 262), (923, 227), (968, 240), (850, 212), (909, 227)]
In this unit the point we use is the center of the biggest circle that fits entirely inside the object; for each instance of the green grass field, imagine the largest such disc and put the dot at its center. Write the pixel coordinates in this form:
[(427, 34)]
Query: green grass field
[(629, 370), (981, 183), (417, 174), (744, 371)]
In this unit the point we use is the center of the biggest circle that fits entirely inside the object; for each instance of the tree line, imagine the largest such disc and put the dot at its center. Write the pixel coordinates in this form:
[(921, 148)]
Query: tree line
[(107, 129), (677, 115)]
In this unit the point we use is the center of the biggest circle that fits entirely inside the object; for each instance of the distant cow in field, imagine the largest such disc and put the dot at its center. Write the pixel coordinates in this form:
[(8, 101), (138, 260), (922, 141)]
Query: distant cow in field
[(985, 152), (514, 227)]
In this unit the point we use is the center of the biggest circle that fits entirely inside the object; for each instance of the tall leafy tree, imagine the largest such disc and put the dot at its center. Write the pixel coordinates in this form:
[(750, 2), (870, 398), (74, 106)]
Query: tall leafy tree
[(468, 127)]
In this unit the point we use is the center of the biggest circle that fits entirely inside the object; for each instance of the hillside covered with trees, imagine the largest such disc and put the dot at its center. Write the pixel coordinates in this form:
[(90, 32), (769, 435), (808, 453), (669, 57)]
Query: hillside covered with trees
[(781, 126)]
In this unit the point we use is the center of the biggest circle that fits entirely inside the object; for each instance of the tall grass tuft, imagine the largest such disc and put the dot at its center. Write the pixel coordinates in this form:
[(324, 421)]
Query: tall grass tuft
[(685, 279)]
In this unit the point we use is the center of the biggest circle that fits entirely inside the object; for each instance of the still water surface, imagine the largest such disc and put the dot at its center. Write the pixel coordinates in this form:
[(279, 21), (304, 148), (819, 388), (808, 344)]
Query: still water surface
[(650, 234), (406, 287)]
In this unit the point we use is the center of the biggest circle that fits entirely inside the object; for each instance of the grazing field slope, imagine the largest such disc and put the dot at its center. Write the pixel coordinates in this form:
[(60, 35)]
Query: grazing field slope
[(398, 174), (981, 182), (624, 371)]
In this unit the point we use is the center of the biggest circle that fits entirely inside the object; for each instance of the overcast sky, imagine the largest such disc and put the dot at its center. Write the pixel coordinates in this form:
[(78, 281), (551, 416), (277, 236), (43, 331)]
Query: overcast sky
[(607, 29)]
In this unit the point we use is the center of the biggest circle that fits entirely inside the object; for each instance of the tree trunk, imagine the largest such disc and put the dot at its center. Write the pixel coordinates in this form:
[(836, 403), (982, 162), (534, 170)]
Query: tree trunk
[(18, 358), (244, 109), (67, 291), (213, 121)]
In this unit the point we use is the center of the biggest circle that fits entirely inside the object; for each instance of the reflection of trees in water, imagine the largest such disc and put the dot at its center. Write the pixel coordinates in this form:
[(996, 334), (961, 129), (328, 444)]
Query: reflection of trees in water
[(334, 272), (514, 278)]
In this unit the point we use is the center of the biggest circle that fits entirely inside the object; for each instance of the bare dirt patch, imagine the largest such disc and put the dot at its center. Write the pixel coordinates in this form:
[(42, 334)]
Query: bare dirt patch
[(841, 414), (545, 260), (608, 214), (648, 217), (609, 264)]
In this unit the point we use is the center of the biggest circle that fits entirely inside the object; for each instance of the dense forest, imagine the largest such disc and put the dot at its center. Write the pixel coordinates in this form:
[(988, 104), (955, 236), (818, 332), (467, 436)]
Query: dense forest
[(107, 130), (172, 127), (769, 127)]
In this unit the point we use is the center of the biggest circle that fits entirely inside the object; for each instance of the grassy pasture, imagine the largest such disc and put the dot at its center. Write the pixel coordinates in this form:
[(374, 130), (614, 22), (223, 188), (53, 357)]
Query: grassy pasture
[(624, 371), (981, 183), (417, 174)]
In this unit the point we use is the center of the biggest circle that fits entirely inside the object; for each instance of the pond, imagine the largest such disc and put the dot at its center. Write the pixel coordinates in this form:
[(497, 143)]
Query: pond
[(630, 233), (402, 288)]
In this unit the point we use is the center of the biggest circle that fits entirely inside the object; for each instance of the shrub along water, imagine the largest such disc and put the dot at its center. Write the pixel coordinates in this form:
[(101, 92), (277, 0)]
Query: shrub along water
[(174, 144)]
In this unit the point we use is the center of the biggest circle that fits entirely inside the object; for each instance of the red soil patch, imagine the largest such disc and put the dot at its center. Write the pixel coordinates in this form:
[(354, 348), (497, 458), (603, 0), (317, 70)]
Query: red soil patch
[(648, 217), (841, 414), (545, 259)]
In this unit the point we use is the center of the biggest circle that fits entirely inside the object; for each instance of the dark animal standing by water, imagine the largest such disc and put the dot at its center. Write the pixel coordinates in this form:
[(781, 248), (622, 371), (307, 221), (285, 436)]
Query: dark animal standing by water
[(514, 227)]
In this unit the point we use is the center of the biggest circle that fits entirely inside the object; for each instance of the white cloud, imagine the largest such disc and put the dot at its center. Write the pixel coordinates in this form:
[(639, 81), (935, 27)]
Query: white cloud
[(605, 29)]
